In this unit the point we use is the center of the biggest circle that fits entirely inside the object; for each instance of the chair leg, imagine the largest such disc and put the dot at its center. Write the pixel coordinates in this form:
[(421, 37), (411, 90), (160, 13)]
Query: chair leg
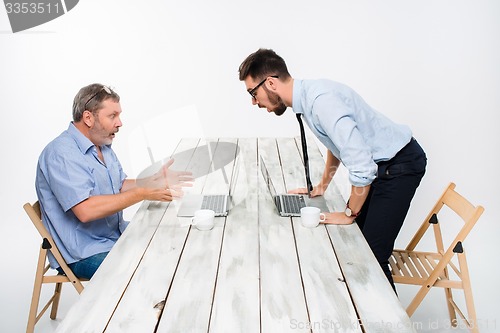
[(422, 292), (55, 302), (449, 299), (37, 288), (469, 300), (451, 310)]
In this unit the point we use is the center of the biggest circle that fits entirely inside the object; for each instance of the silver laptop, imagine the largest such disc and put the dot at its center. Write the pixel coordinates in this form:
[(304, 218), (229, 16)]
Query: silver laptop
[(290, 204), (219, 203)]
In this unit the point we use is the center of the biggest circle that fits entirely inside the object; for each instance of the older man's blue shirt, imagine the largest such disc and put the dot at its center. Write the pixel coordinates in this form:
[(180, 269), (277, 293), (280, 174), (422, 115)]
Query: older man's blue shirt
[(69, 172)]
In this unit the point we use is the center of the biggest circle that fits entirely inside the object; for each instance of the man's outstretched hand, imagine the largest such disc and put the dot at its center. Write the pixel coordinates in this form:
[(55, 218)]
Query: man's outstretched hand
[(167, 178)]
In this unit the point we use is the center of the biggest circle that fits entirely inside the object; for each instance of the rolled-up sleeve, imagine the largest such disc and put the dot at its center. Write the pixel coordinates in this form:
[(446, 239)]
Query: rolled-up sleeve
[(334, 119), (355, 133)]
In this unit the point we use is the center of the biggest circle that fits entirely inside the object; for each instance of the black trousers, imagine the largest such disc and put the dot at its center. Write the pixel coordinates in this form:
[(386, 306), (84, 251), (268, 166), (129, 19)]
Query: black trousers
[(388, 202)]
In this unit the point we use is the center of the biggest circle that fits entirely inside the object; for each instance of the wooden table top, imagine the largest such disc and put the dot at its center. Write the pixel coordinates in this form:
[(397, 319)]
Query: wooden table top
[(253, 272)]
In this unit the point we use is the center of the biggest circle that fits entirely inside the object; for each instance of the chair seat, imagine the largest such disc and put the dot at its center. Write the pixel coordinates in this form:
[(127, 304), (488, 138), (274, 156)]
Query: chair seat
[(414, 267)]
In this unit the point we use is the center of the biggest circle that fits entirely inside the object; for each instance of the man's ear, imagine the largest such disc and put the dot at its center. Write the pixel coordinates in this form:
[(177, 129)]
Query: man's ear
[(272, 83), (88, 118)]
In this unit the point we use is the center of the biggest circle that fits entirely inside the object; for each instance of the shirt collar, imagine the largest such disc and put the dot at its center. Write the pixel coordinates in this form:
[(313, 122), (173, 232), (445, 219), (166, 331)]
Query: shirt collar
[(84, 144), (296, 98)]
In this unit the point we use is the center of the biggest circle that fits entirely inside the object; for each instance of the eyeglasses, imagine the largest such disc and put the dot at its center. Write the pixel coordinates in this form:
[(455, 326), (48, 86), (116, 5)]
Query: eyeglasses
[(106, 89), (253, 92)]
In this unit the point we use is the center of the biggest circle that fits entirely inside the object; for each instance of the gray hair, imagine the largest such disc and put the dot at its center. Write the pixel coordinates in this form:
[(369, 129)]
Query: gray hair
[(90, 98)]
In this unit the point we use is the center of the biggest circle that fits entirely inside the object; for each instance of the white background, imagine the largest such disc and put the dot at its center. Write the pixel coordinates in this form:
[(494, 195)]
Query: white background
[(433, 65)]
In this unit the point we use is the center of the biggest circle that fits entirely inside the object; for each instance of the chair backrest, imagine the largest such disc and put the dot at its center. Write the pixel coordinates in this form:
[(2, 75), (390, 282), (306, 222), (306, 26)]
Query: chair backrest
[(35, 216), (467, 212), (34, 213)]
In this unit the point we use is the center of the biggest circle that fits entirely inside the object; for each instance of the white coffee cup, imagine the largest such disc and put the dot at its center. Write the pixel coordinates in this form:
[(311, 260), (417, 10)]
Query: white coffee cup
[(203, 219), (311, 217)]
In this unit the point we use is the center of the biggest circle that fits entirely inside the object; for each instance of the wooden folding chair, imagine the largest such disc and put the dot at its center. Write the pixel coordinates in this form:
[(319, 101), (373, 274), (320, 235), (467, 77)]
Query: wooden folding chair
[(431, 269), (42, 276)]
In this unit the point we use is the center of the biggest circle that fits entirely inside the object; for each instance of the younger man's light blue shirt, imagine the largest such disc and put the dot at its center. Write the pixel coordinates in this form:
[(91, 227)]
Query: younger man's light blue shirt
[(69, 171), (354, 132)]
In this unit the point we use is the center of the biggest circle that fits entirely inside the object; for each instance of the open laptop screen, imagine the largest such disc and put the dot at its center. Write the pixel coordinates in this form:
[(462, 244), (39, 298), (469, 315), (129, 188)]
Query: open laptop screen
[(267, 178)]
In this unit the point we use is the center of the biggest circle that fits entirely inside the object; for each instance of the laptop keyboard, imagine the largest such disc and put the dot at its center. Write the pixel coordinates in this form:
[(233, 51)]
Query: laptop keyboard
[(293, 203), (214, 202)]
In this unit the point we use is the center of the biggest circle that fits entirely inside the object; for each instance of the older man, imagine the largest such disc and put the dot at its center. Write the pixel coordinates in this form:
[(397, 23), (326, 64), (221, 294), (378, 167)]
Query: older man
[(82, 188)]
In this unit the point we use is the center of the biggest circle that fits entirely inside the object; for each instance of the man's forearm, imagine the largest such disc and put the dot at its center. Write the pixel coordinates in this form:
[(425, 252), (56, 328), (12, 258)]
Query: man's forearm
[(100, 206), (358, 197), (331, 166)]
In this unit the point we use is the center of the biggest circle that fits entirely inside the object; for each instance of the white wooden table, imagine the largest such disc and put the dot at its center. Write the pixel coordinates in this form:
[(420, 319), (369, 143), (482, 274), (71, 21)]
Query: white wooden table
[(254, 272)]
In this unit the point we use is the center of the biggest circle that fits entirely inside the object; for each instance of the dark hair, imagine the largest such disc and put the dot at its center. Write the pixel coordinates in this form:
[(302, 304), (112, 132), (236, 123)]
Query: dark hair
[(90, 98), (263, 63)]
